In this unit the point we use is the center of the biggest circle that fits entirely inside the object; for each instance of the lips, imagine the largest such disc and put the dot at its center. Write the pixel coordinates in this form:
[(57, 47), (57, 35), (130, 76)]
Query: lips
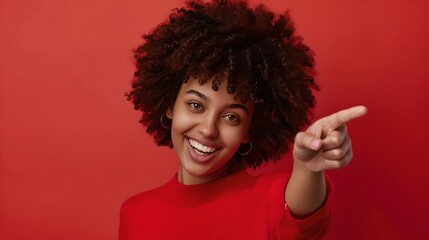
[(200, 148), (201, 152)]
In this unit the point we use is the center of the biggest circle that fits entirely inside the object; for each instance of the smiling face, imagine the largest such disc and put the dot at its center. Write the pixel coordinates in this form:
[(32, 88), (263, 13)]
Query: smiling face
[(207, 129)]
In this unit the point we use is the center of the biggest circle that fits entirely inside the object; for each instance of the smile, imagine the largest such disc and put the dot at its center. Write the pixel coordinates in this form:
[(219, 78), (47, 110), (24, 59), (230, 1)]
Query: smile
[(200, 148)]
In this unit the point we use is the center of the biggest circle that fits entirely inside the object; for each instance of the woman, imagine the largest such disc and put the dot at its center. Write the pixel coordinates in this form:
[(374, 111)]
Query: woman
[(230, 87)]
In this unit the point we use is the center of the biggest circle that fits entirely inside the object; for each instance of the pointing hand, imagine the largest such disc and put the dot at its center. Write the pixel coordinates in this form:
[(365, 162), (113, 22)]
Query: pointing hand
[(326, 144)]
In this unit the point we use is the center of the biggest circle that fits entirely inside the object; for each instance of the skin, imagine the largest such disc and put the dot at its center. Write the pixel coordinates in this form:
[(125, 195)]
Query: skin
[(213, 119), (324, 145), (218, 121)]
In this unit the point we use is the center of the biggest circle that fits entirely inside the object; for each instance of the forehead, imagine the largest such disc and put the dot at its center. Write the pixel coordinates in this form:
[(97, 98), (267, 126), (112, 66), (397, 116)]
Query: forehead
[(193, 88), (207, 90)]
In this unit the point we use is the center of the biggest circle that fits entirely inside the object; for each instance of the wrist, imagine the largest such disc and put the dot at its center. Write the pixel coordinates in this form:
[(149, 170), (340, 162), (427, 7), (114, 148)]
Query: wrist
[(306, 168)]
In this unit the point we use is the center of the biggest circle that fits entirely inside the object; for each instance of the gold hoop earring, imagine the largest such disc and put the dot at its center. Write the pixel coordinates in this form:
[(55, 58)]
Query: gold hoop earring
[(247, 152), (162, 123)]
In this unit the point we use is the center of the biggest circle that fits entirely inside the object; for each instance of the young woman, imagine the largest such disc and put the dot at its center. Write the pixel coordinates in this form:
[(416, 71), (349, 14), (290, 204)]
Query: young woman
[(230, 87)]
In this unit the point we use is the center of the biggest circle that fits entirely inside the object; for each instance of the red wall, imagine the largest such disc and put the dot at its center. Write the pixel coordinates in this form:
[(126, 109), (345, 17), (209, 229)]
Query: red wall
[(72, 149)]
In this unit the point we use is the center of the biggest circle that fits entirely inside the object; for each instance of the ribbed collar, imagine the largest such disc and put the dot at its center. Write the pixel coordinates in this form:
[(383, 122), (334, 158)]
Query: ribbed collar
[(189, 196)]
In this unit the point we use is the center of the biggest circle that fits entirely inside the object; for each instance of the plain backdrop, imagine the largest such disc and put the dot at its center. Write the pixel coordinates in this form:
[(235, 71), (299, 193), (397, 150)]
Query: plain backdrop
[(72, 149)]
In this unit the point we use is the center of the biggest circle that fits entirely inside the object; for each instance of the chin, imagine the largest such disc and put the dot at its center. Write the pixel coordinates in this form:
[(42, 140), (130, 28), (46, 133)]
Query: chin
[(204, 171), (198, 171)]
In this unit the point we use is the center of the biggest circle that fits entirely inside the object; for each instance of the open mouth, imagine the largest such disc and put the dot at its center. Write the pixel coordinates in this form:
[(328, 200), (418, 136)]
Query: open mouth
[(200, 148)]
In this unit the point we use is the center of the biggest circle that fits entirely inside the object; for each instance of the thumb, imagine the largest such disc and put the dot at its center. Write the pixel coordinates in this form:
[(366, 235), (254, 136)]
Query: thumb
[(306, 141), (306, 147)]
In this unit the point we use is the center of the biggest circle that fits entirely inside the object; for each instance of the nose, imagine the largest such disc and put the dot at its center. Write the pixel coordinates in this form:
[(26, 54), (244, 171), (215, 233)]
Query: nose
[(208, 126)]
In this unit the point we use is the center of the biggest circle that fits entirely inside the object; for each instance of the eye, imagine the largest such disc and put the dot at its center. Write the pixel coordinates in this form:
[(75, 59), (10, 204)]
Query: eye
[(232, 118), (195, 106)]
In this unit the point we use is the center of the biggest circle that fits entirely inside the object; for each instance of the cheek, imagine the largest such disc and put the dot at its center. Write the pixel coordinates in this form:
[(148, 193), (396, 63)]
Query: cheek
[(233, 137), (181, 123)]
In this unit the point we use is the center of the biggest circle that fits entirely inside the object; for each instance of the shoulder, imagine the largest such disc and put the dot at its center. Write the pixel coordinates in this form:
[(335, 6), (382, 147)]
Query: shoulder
[(142, 200), (256, 182), (272, 181), (138, 198)]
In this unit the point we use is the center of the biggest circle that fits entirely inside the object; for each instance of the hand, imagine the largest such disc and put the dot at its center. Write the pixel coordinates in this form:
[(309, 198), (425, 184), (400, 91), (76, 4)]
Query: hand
[(326, 144)]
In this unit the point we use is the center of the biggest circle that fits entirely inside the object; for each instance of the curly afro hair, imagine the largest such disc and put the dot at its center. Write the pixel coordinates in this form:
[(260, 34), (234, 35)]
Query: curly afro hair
[(257, 53)]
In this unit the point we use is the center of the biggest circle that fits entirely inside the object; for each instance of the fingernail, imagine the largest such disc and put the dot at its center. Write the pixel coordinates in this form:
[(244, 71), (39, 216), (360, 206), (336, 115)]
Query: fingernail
[(315, 144)]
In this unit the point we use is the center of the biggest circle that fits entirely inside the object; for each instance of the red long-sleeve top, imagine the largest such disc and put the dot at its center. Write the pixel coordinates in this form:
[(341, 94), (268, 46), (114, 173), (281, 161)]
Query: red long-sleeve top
[(239, 206)]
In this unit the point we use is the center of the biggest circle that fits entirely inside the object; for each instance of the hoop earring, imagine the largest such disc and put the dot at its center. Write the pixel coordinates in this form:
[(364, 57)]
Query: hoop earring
[(247, 152), (161, 120)]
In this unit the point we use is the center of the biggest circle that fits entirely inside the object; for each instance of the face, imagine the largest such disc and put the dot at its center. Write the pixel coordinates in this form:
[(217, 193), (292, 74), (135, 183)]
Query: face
[(207, 129)]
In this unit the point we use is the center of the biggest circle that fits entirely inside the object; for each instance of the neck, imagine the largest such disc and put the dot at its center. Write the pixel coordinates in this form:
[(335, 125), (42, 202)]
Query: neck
[(188, 179)]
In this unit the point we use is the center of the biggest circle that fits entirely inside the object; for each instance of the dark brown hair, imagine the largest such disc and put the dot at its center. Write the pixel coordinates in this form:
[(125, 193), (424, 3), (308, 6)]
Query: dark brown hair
[(257, 51)]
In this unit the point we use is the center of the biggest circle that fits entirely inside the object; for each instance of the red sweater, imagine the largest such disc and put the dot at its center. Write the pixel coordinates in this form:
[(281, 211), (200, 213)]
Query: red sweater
[(239, 206)]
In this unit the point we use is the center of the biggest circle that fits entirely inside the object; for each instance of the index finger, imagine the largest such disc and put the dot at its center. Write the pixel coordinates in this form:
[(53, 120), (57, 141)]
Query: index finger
[(339, 118)]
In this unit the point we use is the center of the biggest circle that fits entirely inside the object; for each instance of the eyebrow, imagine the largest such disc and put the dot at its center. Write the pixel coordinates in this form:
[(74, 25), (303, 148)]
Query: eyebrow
[(204, 97), (200, 95), (237, 106)]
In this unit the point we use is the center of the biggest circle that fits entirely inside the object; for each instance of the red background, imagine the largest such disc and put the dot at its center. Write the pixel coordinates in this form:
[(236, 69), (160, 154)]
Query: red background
[(72, 149)]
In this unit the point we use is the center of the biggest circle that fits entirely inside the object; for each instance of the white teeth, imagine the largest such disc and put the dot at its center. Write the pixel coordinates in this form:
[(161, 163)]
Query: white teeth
[(198, 146)]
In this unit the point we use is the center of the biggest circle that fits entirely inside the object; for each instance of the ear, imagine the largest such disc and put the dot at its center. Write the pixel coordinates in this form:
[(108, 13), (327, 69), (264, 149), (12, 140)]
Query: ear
[(169, 113)]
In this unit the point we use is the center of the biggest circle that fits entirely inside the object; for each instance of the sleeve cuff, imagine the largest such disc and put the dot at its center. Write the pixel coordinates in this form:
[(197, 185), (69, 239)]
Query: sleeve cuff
[(321, 216)]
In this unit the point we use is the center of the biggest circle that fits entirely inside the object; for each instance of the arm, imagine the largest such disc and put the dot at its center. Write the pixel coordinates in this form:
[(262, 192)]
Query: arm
[(324, 145)]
